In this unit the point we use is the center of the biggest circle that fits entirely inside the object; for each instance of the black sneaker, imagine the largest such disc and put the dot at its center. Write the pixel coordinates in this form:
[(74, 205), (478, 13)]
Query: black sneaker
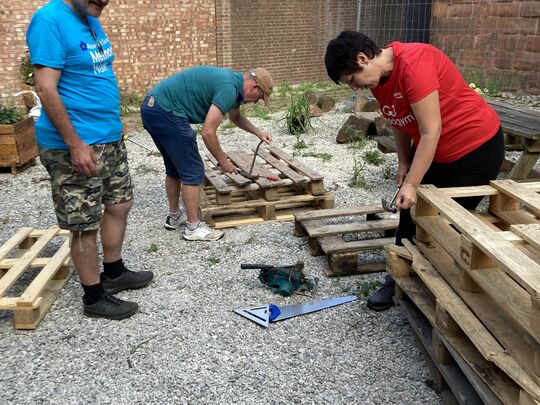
[(110, 307), (382, 299), (128, 280)]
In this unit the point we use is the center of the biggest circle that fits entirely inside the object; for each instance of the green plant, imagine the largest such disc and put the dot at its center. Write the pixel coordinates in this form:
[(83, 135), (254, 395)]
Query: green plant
[(145, 169), (488, 85), (256, 110), (358, 180), (373, 157), (226, 124), (129, 102), (297, 117), (214, 260), (365, 288), (387, 172), (284, 88), (323, 156), (153, 248), (27, 71), (10, 115), (360, 143)]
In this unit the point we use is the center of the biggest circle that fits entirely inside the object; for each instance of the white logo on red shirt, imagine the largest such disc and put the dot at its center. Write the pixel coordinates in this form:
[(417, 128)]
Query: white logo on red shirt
[(389, 111), (398, 95)]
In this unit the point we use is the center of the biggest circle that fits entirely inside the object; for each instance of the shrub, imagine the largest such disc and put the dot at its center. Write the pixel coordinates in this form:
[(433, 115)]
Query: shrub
[(298, 117), (10, 115)]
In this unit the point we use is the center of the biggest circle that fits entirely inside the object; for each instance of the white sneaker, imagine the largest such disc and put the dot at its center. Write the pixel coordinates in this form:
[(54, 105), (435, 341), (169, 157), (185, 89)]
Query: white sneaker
[(171, 224), (203, 232)]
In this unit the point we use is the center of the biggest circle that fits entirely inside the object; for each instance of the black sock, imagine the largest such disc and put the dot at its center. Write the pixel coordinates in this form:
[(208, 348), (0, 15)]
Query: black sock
[(113, 269), (92, 293)]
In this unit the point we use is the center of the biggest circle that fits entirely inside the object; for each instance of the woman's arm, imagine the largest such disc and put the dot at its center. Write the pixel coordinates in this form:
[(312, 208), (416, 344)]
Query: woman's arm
[(428, 115)]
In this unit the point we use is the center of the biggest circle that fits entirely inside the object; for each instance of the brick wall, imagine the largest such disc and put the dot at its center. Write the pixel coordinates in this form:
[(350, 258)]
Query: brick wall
[(151, 39), (288, 37), (499, 38)]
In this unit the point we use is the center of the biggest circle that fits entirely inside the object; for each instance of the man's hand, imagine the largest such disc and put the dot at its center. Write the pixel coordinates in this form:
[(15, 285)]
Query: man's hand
[(84, 159), (266, 137), (227, 166), (406, 197)]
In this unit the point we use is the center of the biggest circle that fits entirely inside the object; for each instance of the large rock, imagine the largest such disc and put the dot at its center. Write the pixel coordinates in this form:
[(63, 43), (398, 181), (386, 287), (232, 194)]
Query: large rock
[(315, 111), (326, 103), (310, 96), (357, 126), (382, 127), (362, 104)]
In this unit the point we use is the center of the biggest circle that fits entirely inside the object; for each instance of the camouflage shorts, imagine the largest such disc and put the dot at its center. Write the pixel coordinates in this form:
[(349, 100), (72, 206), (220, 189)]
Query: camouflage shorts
[(79, 199)]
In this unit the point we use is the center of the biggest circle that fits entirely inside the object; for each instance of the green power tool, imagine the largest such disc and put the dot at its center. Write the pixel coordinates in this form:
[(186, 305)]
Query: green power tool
[(282, 279)]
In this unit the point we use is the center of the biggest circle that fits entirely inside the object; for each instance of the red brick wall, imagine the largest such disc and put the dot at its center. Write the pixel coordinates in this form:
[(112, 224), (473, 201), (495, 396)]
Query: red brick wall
[(151, 39), (288, 37), (500, 38)]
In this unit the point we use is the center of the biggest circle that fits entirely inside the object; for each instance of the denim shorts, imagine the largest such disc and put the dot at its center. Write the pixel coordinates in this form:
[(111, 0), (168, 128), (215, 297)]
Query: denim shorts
[(176, 141)]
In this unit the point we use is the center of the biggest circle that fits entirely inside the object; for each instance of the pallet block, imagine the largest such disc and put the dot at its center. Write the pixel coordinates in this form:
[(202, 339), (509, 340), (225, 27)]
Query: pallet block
[(460, 336), (233, 200), (330, 239), (490, 252), (19, 254)]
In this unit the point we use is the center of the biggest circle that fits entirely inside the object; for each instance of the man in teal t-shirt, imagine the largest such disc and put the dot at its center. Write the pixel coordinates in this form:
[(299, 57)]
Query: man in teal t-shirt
[(202, 94), (79, 135)]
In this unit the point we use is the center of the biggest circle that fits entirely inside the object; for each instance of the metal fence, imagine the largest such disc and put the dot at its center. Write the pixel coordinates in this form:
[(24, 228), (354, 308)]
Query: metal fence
[(495, 44)]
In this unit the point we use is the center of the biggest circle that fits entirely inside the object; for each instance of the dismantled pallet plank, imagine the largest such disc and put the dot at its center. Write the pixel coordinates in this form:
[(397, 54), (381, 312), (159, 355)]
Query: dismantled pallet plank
[(344, 251), (484, 342), (282, 167), (217, 175), (243, 161), (24, 247)]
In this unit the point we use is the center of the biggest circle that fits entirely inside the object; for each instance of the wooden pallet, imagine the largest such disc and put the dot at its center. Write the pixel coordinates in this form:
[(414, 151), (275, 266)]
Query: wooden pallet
[(20, 254), (274, 162), (18, 168), (460, 336), (332, 239), (233, 200), (497, 253)]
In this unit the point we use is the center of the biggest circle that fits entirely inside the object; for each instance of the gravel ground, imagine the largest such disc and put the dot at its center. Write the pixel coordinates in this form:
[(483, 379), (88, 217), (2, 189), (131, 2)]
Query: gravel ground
[(186, 345)]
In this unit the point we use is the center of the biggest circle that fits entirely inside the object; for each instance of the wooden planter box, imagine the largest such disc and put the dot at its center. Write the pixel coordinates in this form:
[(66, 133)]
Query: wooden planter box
[(17, 143)]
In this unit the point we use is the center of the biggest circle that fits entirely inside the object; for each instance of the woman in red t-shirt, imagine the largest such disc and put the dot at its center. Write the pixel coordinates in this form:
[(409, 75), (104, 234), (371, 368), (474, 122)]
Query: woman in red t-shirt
[(446, 134)]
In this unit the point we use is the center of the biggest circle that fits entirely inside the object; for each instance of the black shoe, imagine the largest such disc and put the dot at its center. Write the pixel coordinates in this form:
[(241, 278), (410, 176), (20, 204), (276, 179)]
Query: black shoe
[(126, 281), (382, 299), (110, 307)]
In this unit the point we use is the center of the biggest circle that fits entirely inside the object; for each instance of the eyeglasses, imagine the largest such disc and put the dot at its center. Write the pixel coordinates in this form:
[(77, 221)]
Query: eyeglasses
[(94, 35)]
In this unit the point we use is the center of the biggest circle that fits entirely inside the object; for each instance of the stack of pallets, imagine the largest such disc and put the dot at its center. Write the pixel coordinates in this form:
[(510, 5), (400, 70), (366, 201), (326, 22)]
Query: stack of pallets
[(471, 289), (343, 240), (233, 200), (21, 255)]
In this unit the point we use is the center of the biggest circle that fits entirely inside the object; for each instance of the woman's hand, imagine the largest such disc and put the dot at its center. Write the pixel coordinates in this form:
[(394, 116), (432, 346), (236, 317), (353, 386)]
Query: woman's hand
[(403, 169), (406, 197)]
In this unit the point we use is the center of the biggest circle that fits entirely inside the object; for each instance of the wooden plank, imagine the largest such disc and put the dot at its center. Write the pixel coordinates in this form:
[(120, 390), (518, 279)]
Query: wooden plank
[(487, 190), (295, 163), (36, 287), (317, 230), (514, 262), (221, 186), (14, 241), (529, 198), (215, 178), (485, 343), (243, 161), (37, 262), (16, 271), (282, 167), (332, 245), (529, 232), (339, 212)]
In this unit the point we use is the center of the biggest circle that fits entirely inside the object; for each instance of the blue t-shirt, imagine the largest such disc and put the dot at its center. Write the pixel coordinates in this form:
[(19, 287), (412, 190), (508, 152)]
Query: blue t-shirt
[(58, 38), (191, 92)]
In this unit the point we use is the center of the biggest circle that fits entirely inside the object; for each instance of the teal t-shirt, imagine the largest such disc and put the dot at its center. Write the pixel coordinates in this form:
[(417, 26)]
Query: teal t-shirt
[(191, 92), (58, 38)]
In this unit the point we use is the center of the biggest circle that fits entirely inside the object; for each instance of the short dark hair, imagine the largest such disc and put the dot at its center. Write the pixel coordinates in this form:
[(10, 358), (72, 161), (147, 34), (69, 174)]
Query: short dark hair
[(340, 57)]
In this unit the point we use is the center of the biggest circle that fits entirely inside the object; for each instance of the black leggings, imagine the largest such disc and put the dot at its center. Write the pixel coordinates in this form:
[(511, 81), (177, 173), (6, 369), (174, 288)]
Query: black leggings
[(474, 169)]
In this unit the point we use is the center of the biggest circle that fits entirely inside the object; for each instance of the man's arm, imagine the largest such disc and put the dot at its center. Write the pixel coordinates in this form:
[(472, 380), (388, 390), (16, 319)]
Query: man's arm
[(428, 114), (243, 123), (209, 135), (83, 158)]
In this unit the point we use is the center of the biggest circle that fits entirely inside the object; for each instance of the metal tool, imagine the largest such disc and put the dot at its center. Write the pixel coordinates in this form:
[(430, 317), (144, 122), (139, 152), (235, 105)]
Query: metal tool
[(265, 314), (390, 207), (255, 156), (125, 137)]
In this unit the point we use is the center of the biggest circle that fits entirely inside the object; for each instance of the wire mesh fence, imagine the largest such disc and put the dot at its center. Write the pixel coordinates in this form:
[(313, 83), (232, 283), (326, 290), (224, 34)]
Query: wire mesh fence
[(494, 43)]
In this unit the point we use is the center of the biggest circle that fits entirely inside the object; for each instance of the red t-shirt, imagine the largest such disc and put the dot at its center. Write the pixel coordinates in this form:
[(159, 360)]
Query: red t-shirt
[(420, 69)]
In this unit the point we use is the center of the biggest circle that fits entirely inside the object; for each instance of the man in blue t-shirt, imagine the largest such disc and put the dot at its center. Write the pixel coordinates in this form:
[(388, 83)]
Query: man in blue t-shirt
[(202, 94), (80, 142)]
